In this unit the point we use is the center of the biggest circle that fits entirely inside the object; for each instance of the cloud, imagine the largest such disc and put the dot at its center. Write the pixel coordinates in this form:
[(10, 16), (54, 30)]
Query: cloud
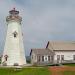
[(43, 20)]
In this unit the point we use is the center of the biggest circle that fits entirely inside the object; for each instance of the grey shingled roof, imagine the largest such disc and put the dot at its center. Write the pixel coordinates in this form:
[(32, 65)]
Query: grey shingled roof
[(42, 51), (60, 45)]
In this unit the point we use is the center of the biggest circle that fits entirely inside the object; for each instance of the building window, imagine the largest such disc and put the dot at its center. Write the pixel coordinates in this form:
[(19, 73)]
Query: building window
[(58, 57), (62, 57), (45, 58), (42, 58), (48, 58), (73, 57), (38, 58)]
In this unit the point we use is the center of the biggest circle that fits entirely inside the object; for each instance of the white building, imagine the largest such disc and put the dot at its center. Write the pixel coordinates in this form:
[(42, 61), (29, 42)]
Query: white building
[(55, 52), (64, 51), (14, 50)]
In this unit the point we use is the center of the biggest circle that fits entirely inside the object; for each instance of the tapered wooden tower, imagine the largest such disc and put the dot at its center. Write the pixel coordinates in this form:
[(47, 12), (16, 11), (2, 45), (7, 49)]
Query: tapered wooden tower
[(14, 50)]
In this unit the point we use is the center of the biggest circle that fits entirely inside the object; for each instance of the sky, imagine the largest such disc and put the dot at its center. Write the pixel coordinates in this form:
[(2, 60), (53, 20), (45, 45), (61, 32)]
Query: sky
[(42, 21)]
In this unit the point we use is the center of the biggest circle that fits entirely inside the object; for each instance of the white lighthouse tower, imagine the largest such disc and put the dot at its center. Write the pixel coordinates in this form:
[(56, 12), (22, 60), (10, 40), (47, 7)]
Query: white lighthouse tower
[(14, 50)]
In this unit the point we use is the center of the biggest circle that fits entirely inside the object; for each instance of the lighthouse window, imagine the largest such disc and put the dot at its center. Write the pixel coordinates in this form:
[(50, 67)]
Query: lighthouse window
[(6, 56), (15, 34)]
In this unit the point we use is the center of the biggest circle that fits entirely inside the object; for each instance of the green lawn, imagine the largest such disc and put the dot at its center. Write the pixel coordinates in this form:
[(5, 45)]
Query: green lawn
[(68, 73), (73, 64), (24, 71)]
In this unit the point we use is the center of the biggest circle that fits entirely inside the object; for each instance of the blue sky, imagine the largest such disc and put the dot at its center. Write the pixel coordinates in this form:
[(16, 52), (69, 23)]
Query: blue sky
[(43, 20)]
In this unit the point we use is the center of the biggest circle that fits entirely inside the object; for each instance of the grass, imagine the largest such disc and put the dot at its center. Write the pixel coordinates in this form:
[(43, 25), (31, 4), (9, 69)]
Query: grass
[(32, 71), (70, 64), (25, 71), (68, 73)]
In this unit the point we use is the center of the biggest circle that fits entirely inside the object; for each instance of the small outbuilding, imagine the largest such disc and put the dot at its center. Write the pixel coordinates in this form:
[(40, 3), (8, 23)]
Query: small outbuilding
[(41, 56)]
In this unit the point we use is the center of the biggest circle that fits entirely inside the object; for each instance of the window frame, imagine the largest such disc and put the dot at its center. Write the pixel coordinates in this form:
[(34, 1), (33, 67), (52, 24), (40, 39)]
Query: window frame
[(43, 58), (58, 57), (62, 57), (73, 57)]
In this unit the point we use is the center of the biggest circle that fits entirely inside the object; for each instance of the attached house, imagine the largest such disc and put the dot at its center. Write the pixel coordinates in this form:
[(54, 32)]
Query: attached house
[(55, 52), (64, 51)]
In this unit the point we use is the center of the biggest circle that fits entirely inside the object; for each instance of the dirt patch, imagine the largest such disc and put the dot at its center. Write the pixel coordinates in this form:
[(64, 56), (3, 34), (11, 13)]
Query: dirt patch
[(56, 70)]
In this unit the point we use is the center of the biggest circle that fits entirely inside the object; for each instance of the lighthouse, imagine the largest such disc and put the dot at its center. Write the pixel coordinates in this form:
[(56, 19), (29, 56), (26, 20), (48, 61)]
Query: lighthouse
[(14, 54)]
